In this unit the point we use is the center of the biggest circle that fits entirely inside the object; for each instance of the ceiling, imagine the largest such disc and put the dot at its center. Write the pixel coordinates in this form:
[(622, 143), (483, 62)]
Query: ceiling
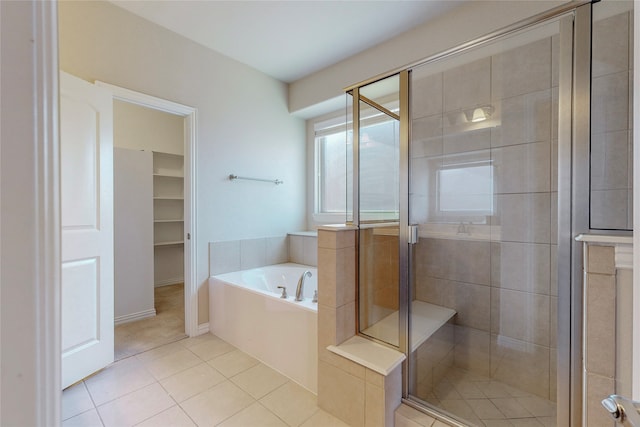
[(288, 39)]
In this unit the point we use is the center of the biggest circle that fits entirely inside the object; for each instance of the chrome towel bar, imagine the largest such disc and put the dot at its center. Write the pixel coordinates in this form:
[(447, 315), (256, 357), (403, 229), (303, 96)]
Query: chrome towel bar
[(275, 181)]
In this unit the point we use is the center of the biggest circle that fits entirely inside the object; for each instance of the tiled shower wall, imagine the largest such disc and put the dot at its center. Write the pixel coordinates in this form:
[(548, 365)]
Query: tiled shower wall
[(612, 119), (608, 324), (498, 274)]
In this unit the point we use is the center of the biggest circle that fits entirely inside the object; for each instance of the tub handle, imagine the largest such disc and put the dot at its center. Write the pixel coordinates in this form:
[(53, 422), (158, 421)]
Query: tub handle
[(284, 291)]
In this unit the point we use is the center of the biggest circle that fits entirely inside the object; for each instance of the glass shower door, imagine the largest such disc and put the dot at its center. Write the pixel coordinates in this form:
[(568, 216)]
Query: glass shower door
[(378, 208), (484, 191)]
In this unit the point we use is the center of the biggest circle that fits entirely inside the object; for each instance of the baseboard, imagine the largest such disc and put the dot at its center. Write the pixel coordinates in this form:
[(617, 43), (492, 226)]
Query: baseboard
[(137, 316), (167, 282), (203, 328)]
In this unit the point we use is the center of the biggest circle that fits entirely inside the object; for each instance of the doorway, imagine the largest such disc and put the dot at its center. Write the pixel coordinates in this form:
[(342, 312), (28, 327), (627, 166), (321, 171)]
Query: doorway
[(148, 159), (171, 177)]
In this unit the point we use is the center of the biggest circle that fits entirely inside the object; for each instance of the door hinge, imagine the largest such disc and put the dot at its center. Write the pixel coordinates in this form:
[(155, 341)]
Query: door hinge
[(413, 234), (188, 236)]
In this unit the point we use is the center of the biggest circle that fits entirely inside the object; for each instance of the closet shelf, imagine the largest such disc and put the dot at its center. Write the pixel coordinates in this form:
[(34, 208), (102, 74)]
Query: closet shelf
[(168, 198), (168, 220), (169, 175), (176, 242)]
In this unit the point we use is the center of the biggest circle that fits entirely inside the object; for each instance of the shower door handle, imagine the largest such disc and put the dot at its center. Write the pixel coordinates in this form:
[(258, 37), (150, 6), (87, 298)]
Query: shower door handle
[(627, 416)]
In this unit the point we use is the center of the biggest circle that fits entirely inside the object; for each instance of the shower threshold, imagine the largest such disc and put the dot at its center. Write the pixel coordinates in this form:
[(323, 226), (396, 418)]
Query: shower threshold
[(425, 320)]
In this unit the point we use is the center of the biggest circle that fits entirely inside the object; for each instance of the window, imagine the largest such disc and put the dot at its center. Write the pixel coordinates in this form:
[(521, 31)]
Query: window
[(379, 172), (332, 170), (465, 190)]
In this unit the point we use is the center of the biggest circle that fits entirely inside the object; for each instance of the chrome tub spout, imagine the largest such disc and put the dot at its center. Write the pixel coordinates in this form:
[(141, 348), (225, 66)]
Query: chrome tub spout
[(300, 288)]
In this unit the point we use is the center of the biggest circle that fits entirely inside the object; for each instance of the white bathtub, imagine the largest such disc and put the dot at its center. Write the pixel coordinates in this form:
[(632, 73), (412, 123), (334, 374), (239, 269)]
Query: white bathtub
[(245, 309)]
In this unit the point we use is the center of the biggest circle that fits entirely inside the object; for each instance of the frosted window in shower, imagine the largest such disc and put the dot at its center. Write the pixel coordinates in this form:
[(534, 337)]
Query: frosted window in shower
[(466, 190)]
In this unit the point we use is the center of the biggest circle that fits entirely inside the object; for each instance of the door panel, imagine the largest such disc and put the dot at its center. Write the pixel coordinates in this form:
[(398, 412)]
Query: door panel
[(87, 228), (484, 195)]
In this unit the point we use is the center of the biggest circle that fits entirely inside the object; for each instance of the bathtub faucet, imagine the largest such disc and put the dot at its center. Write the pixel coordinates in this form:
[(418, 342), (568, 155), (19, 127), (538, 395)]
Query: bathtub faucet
[(300, 288)]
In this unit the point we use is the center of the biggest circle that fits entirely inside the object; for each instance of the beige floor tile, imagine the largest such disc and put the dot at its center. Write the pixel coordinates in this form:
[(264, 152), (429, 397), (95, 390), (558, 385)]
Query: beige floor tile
[(494, 389), (291, 402), (511, 408), (119, 379), (161, 351), (165, 327), (211, 348), (216, 404), (232, 363), (259, 380), (76, 400), (525, 422), (172, 363), (323, 419), (537, 406), (135, 407), (414, 416), (485, 409), (86, 419), (402, 421), (172, 417), (446, 390), (548, 421), (468, 389), (255, 415), (461, 409), (192, 381), (190, 342), (497, 423)]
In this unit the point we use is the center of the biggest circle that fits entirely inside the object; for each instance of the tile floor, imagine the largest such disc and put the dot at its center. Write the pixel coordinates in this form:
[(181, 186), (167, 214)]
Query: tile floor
[(489, 403), (165, 327), (200, 381)]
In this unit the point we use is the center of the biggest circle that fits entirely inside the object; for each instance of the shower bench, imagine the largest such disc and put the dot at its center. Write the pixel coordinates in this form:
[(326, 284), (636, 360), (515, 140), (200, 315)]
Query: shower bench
[(426, 320)]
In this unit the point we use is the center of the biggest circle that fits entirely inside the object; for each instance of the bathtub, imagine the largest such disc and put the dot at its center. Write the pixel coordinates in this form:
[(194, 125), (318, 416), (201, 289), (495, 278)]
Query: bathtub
[(245, 309)]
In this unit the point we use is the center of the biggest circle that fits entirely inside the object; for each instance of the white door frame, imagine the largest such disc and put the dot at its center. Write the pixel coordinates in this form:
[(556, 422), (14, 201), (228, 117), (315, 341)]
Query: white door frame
[(29, 220), (635, 369), (190, 137)]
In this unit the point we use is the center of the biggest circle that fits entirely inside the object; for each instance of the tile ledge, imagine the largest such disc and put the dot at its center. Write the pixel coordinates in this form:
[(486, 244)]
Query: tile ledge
[(369, 354), (337, 227), (605, 238), (303, 233)]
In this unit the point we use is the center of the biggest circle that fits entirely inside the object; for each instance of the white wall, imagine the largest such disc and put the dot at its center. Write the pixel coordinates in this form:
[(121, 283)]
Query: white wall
[(133, 233), (322, 92), (140, 128), (244, 126)]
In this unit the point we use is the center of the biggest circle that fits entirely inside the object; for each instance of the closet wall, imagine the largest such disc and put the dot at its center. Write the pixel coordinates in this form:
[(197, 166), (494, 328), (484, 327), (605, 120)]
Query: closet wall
[(142, 136)]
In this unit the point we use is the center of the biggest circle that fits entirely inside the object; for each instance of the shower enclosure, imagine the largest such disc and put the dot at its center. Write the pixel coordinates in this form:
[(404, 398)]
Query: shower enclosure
[(471, 176)]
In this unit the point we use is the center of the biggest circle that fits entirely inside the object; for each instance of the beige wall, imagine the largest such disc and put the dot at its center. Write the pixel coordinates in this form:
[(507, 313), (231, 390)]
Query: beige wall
[(141, 128), (244, 126)]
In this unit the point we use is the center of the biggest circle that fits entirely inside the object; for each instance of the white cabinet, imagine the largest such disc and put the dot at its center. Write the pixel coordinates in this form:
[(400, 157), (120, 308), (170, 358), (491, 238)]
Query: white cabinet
[(168, 218)]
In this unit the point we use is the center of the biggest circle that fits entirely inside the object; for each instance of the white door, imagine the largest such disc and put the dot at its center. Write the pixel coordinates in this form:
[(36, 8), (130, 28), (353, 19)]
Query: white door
[(86, 128)]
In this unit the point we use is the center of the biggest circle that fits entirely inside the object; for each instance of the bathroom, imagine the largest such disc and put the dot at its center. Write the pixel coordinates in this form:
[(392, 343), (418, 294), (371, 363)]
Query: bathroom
[(462, 253)]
